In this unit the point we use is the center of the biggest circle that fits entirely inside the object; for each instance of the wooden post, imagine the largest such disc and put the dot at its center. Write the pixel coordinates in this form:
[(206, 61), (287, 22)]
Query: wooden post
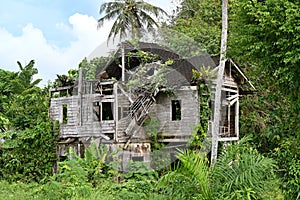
[(80, 81), (219, 83), (123, 63), (116, 109), (237, 118)]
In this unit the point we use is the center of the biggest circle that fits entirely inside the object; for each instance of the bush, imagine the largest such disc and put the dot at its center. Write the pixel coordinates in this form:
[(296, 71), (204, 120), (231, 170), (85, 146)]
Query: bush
[(21, 156)]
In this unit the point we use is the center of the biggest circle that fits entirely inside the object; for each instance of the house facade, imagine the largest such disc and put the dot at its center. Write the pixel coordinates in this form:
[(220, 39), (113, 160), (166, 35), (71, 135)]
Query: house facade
[(113, 112)]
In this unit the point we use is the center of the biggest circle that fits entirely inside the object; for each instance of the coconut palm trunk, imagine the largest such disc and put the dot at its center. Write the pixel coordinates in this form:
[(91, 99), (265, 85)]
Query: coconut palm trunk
[(219, 83)]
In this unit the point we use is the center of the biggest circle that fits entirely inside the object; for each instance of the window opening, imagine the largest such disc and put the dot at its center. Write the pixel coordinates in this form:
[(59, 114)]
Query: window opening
[(176, 110), (107, 111), (65, 114), (137, 158)]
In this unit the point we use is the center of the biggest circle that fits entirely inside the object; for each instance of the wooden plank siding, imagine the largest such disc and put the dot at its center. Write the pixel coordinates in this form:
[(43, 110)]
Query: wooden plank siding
[(170, 130), (89, 126), (180, 130)]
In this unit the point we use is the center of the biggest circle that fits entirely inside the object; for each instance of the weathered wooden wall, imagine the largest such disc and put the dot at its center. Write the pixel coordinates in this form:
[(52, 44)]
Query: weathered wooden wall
[(56, 113), (89, 126), (170, 131), (178, 131)]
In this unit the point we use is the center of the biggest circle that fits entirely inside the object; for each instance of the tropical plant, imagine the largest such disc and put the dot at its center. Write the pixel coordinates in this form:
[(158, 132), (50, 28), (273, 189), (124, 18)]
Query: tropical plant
[(76, 177), (189, 180), (129, 15), (25, 127), (22, 101), (25, 76), (239, 173)]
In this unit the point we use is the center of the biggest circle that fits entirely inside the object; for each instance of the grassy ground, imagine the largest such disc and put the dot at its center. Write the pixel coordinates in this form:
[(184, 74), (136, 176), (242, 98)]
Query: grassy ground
[(34, 191)]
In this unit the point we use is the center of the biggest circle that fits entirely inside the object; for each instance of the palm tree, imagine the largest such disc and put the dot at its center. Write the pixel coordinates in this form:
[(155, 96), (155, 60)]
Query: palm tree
[(130, 15)]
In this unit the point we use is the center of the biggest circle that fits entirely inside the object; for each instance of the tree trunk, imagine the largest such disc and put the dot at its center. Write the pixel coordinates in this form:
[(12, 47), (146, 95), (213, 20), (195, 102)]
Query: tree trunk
[(219, 83)]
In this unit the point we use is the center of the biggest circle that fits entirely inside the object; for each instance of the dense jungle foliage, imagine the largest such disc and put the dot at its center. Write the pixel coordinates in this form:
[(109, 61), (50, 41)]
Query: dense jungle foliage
[(264, 39)]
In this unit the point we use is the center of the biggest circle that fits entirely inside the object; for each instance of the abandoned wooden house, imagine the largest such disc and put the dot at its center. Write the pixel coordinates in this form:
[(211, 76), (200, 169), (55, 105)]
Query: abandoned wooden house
[(147, 81)]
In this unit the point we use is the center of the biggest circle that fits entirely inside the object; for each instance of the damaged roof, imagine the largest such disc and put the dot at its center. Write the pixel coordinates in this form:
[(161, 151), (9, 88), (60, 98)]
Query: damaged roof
[(180, 68)]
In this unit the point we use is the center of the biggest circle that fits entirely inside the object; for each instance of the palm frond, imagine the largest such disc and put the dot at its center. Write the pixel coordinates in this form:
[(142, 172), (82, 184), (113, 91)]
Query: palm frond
[(243, 169), (109, 16), (150, 22), (110, 6), (190, 179), (151, 9)]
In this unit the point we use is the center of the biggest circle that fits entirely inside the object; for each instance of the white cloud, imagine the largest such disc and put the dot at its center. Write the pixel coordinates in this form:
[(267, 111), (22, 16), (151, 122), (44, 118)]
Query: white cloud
[(50, 59)]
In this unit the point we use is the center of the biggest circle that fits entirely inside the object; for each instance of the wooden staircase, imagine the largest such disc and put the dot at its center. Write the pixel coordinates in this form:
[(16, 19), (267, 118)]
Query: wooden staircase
[(138, 112)]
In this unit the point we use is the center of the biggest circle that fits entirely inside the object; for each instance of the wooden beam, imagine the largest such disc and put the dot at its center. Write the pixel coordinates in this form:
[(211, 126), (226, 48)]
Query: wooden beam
[(79, 109), (60, 88), (125, 93), (227, 139), (240, 71)]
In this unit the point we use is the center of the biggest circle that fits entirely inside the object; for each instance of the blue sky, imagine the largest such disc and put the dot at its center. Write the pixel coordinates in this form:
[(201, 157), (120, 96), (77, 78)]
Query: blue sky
[(57, 34), (44, 15)]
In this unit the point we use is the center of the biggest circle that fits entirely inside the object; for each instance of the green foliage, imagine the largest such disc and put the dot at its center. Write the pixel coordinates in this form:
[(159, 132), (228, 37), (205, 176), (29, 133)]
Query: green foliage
[(179, 43), (239, 173), (137, 182), (27, 109), (90, 177), (160, 159), (202, 79), (141, 80), (21, 153), (287, 153), (190, 180), (92, 68), (267, 33), (65, 80), (275, 128), (264, 37), (151, 126), (142, 56), (201, 21), (22, 102), (78, 176), (25, 76), (25, 127), (19, 190)]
